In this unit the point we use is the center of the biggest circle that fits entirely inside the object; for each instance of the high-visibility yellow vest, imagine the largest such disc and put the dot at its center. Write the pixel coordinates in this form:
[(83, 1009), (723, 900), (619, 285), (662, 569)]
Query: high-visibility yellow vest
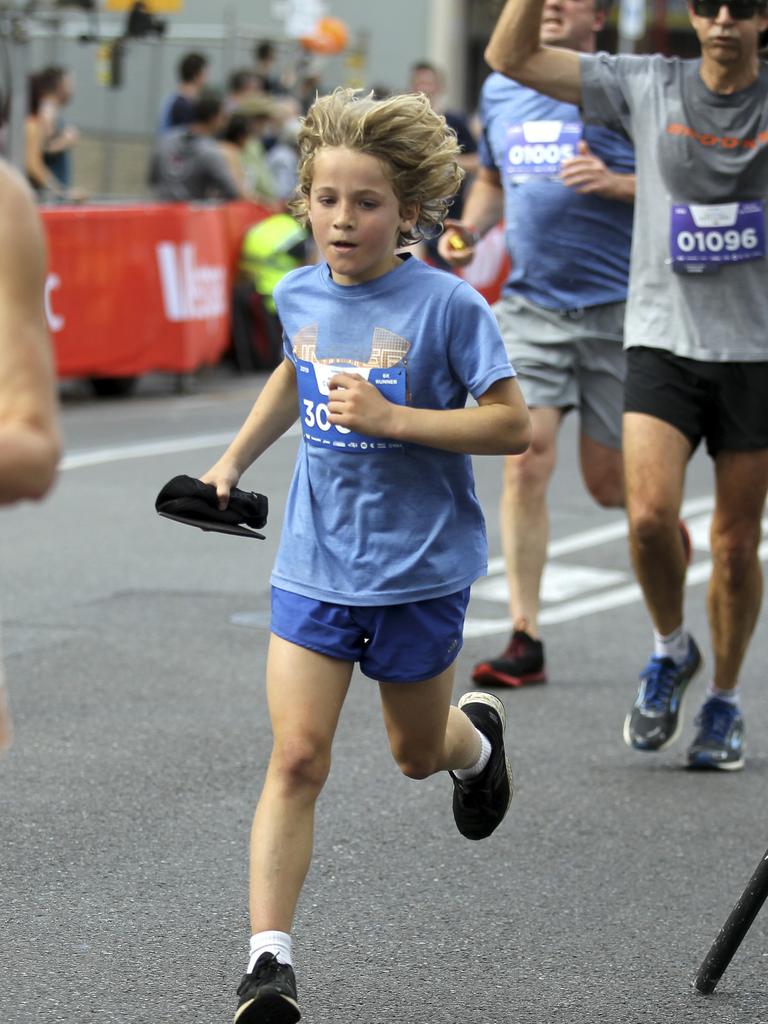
[(266, 255)]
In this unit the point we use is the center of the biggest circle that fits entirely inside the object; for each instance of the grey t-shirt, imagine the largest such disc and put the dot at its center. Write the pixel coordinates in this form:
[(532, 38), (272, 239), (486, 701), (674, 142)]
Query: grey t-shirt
[(694, 148), (187, 166)]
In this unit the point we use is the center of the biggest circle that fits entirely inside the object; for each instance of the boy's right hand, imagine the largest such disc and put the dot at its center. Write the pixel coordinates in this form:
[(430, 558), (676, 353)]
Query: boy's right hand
[(457, 244), (224, 477)]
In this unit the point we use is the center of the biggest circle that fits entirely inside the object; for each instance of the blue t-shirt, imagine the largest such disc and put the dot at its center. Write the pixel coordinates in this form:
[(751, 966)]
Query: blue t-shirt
[(176, 111), (568, 250), (369, 521)]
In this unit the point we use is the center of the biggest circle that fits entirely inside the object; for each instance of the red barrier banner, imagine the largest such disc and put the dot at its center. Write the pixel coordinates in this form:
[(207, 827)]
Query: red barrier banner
[(133, 289), (491, 266), (138, 288)]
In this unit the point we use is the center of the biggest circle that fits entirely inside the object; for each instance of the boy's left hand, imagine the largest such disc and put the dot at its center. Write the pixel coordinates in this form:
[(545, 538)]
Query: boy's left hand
[(356, 404)]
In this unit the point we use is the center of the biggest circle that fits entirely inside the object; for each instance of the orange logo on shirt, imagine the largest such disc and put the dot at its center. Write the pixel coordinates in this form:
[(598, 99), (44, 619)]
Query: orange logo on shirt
[(720, 141)]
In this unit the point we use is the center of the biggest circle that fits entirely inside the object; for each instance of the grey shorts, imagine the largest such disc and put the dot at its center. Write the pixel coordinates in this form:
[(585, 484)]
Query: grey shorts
[(569, 360)]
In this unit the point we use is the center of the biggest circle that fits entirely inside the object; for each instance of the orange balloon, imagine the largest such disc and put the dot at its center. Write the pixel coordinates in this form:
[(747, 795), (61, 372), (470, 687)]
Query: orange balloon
[(330, 36)]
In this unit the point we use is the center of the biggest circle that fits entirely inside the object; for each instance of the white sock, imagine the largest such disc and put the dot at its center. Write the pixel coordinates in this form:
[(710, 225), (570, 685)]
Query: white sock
[(674, 646), (278, 943), (480, 763), (729, 696)]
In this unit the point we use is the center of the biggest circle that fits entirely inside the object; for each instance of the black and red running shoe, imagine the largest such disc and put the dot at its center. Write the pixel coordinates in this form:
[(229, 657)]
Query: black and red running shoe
[(521, 664)]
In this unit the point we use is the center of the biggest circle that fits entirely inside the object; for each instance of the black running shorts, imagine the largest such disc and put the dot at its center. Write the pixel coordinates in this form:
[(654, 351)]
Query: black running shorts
[(726, 404)]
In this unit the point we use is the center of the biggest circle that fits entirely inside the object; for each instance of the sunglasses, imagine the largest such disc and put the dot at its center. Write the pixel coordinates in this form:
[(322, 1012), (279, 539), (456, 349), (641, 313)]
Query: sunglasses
[(739, 10)]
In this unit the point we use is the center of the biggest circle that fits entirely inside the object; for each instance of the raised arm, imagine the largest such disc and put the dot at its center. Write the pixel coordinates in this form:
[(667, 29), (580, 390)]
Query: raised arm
[(29, 438), (515, 51)]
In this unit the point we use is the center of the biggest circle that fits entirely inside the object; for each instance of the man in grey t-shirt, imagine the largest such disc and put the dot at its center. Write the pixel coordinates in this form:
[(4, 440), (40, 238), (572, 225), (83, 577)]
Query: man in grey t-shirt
[(187, 162), (696, 332)]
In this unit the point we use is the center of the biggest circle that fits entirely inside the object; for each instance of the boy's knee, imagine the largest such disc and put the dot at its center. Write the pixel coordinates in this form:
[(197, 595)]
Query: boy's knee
[(301, 765), (416, 764)]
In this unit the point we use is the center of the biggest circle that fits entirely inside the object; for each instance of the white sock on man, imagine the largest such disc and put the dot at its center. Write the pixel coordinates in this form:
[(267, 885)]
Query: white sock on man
[(278, 943), (674, 646), (729, 696), (480, 763)]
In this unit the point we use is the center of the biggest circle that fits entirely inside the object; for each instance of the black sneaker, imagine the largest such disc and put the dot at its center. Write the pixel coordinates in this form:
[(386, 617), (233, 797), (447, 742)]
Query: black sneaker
[(719, 741), (521, 664), (479, 804), (268, 994), (654, 721)]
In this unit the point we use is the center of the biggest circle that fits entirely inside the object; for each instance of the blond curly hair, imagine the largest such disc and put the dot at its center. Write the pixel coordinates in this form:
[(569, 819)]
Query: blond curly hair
[(413, 143)]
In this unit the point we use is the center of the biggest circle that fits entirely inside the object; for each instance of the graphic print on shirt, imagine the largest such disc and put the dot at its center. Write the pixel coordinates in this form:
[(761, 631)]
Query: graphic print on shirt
[(385, 368), (538, 148)]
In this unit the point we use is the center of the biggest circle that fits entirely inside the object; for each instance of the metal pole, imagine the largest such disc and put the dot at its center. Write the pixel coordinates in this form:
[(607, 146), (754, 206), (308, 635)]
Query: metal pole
[(733, 931), (17, 41), (446, 35), (156, 57), (631, 24), (230, 38)]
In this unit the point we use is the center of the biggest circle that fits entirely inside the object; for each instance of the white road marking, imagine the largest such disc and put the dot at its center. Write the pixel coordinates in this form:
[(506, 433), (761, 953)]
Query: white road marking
[(149, 449), (604, 534), (566, 610), (565, 582), (559, 583)]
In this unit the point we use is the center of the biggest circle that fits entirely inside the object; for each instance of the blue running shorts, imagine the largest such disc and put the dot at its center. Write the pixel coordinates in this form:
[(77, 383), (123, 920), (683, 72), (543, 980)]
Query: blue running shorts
[(396, 643)]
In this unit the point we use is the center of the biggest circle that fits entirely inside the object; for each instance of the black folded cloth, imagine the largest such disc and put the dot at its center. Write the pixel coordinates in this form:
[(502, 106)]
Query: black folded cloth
[(188, 500)]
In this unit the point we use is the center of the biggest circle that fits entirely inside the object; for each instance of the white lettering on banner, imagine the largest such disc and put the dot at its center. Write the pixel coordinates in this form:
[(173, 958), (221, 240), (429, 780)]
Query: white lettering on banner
[(191, 291), (55, 322)]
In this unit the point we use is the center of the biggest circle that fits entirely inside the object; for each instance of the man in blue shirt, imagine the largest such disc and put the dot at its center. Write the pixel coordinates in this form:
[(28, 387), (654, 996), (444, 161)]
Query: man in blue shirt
[(565, 192), (178, 108)]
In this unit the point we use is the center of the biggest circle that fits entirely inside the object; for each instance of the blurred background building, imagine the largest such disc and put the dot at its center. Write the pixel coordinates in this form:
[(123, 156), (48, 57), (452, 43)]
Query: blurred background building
[(123, 57)]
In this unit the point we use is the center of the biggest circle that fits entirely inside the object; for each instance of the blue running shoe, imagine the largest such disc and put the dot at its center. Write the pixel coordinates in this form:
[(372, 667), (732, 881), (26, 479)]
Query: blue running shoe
[(719, 741), (654, 721)]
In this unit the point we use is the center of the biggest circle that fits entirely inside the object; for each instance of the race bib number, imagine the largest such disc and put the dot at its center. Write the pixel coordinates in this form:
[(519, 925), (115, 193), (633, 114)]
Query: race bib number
[(705, 238), (538, 148), (313, 378)]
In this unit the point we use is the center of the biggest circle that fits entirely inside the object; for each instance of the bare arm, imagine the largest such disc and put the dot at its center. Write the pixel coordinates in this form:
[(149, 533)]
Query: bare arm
[(515, 51), (65, 140), (483, 209), (498, 425), (29, 438), (274, 411), (34, 165)]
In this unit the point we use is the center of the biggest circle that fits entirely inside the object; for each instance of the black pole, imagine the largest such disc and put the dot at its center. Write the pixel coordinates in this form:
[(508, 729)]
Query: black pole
[(733, 931)]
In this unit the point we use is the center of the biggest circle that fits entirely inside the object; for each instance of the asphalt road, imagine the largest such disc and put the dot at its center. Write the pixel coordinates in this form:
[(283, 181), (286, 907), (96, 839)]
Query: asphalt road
[(134, 649)]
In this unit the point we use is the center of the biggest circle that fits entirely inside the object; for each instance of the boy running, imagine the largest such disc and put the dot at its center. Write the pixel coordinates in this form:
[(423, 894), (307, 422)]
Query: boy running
[(383, 534)]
